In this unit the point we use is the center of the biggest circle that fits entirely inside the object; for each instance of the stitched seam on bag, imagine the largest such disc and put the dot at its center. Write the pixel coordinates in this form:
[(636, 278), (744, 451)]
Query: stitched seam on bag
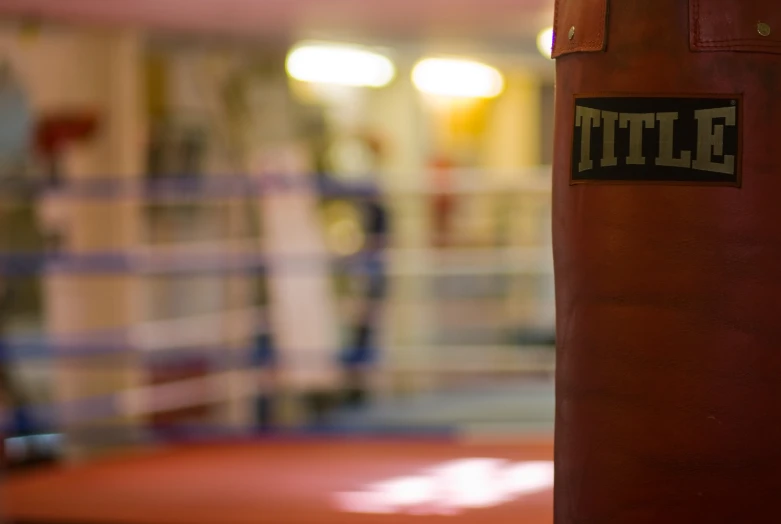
[(766, 41), (738, 47), (760, 41), (757, 40), (740, 41)]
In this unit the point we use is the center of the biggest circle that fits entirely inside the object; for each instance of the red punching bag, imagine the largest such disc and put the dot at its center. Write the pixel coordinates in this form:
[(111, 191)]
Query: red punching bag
[(667, 218)]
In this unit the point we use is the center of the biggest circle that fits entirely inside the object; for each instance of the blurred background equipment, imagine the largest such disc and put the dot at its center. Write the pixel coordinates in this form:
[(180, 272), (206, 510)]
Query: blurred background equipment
[(301, 222), (55, 132)]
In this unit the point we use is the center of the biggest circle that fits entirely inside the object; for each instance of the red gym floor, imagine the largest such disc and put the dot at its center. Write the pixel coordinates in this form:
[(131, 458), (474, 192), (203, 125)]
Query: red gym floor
[(304, 482)]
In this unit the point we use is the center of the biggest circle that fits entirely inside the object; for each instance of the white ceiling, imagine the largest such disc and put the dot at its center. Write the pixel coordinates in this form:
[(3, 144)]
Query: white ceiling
[(488, 20)]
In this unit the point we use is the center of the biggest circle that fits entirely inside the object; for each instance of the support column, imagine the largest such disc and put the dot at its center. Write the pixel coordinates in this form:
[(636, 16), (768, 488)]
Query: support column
[(78, 306)]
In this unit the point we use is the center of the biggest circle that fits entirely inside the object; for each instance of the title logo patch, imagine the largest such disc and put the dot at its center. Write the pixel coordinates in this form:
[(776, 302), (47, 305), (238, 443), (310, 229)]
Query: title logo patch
[(657, 139)]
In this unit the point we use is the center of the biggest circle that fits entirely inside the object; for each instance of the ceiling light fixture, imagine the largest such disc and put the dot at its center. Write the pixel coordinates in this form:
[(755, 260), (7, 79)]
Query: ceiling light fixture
[(339, 64), (545, 42), (447, 77)]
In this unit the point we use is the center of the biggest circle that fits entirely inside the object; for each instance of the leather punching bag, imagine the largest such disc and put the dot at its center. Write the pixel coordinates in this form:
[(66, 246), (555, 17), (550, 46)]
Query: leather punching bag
[(667, 223)]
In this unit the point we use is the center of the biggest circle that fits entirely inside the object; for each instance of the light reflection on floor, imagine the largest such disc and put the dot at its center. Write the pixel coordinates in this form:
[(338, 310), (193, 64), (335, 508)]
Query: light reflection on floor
[(451, 488)]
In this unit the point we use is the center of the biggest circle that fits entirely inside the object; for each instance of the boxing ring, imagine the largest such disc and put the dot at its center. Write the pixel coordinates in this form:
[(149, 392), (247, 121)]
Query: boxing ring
[(179, 443)]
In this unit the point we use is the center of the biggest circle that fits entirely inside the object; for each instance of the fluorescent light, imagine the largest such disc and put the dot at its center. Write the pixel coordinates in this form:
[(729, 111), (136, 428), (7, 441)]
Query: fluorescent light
[(337, 64), (545, 42), (457, 78)]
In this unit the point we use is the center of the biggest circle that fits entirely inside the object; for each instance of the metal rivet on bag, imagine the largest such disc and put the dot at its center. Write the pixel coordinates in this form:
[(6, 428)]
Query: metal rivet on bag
[(572, 32), (763, 29)]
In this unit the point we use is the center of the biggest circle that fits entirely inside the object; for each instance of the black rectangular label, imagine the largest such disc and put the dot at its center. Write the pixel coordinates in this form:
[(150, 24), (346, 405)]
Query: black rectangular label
[(657, 139)]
